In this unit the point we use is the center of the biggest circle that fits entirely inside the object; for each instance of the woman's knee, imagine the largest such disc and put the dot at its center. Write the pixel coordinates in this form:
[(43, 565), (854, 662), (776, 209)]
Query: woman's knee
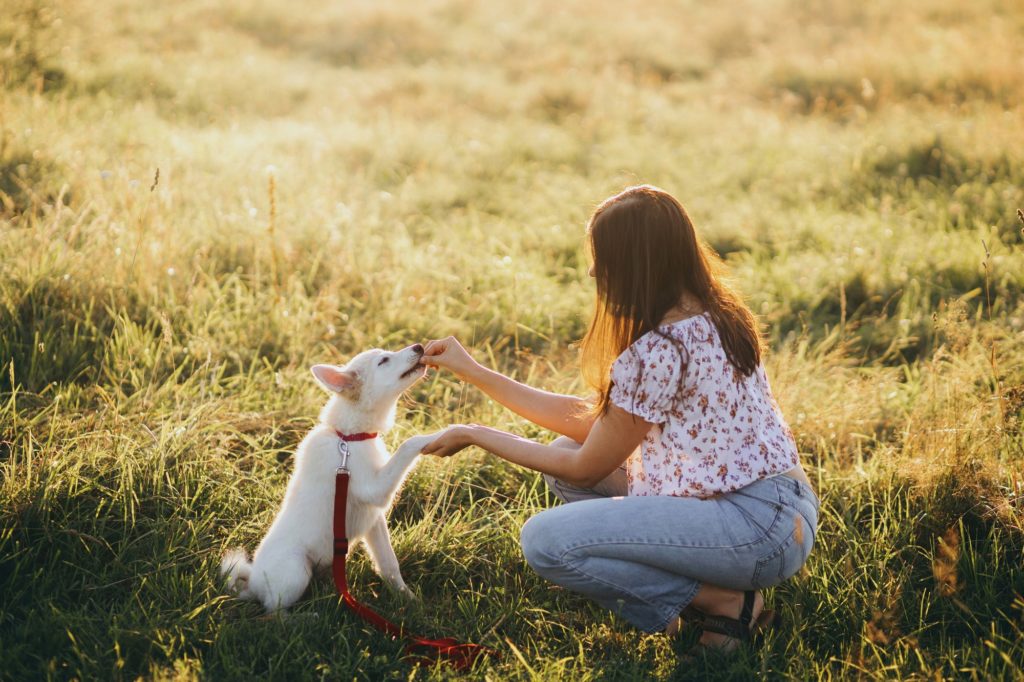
[(558, 488), (555, 487), (541, 542)]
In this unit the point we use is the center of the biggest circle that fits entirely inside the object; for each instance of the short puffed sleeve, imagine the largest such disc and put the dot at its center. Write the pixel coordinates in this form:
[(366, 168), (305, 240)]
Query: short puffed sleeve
[(646, 377)]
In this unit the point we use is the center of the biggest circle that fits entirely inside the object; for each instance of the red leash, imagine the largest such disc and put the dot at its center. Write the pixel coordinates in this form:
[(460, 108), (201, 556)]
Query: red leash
[(422, 650)]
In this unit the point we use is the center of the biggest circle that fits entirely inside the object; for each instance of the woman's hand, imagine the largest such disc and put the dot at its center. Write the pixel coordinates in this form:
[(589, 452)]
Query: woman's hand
[(449, 354), (451, 440)]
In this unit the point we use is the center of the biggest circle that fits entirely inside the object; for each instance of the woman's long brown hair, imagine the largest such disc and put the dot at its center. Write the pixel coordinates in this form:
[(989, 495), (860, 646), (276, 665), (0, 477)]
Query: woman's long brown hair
[(646, 256)]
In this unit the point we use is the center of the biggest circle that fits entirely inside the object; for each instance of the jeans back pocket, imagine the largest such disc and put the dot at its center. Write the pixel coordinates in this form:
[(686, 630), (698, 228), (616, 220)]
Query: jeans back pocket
[(786, 557)]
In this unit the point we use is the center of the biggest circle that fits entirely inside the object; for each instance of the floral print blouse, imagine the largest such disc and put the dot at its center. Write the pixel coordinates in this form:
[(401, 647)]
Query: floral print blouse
[(714, 431)]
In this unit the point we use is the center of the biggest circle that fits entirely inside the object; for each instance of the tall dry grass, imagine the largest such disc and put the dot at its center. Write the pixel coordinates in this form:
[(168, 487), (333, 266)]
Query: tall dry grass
[(198, 202)]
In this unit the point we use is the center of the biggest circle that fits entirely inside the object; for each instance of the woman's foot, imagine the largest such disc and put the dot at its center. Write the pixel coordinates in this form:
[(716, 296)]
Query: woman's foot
[(675, 626), (726, 618), (744, 610)]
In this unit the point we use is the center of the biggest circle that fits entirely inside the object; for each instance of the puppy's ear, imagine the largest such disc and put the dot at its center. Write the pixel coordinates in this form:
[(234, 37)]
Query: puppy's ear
[(334, 379)]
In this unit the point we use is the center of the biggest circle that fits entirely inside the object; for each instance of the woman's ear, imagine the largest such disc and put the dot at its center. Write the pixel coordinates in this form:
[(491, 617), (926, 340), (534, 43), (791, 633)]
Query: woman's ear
[(334, 379)]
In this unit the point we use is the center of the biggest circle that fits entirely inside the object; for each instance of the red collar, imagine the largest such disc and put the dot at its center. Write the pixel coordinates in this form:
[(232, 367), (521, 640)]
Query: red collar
[(355, 436)]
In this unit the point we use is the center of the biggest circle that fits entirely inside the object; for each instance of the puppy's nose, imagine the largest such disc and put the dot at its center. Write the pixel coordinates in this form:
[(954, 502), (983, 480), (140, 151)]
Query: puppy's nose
[(417, 348)]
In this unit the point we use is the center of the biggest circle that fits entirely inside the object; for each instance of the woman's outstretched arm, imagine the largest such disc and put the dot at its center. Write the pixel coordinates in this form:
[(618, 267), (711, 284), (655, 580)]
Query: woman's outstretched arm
[(614, 436), (564, 414)]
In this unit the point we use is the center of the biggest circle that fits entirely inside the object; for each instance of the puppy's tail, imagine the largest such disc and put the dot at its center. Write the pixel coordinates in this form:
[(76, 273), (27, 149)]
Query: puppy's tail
[(236, 568)]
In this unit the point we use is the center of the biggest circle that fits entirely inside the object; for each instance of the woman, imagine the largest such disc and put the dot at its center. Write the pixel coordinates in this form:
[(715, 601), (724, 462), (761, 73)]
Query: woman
[(685, 492)]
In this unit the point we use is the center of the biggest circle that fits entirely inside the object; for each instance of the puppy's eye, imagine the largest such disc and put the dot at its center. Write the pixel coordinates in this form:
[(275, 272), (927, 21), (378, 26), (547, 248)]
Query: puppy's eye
[(382, 361)]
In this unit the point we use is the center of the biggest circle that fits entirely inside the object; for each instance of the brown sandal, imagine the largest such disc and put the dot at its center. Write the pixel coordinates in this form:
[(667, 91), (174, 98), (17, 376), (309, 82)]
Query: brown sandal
[(741, 628)]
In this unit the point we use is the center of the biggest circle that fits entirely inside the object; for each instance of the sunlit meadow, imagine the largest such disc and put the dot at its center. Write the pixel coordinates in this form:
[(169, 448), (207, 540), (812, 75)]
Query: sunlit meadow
[(200, 200)]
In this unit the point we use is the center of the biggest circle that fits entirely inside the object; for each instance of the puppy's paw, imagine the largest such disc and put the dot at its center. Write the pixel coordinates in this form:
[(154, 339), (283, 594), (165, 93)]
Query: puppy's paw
[(417, 443), (235, 569)]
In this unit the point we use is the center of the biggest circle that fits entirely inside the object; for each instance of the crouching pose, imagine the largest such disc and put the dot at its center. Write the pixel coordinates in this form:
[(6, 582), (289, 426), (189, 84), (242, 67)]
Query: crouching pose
[(684, 492)]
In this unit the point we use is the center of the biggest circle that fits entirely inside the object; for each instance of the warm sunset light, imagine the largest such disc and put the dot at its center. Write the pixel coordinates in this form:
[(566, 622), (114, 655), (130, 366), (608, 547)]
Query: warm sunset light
[(571, 340)]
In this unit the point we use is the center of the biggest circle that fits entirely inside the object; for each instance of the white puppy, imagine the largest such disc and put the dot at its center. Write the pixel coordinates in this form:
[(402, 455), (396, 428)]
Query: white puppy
[(363, 397)]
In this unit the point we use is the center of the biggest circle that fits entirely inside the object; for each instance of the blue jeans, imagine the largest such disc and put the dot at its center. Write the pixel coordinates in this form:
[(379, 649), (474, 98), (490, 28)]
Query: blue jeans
[(645, 557)]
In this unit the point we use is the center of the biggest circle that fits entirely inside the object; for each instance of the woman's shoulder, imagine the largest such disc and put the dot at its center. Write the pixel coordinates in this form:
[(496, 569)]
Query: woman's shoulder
[(665, 348), (669, 348), (646, 377)]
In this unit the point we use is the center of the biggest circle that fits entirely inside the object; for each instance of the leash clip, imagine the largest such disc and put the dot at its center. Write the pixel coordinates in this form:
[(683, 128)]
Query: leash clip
[(343, 451)]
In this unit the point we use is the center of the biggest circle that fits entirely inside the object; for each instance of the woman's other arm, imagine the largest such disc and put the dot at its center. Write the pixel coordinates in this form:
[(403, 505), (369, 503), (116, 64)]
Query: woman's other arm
[(614, 436), (564, 414)]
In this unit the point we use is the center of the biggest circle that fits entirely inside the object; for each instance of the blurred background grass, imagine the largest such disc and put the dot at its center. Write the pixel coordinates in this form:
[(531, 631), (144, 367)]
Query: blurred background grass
[(199, 201)]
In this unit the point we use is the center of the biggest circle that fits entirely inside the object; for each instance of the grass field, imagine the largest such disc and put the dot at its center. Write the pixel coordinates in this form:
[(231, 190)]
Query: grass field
[(200, 200)]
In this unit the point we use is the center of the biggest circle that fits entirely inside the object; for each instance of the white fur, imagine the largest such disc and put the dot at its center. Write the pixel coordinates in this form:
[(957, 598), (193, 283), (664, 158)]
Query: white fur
[(364, 394)]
